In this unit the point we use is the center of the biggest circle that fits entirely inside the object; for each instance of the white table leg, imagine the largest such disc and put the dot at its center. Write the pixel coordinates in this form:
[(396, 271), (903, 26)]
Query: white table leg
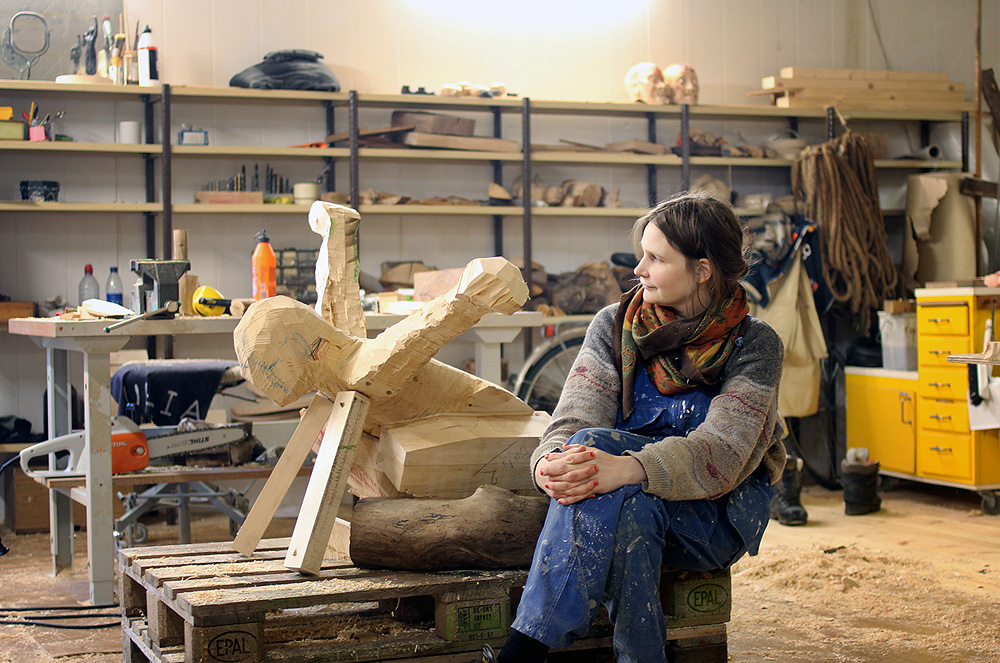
[(488, 342), (100, 518), (59, 404)]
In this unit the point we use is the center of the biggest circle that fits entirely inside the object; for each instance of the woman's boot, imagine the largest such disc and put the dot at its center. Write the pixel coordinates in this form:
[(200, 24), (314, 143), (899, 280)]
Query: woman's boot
[(786, 503), (860, 479)]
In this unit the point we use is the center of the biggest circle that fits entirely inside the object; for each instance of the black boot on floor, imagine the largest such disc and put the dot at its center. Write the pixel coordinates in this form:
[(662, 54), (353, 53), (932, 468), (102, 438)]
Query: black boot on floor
[(860, 479), (786, 503)]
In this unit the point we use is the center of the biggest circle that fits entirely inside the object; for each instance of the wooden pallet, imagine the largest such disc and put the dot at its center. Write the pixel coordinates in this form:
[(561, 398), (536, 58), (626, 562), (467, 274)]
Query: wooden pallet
[(206, 603)]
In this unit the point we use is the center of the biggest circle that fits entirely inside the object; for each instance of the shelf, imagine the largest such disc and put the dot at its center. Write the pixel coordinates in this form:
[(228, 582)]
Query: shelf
[(624, 212), (114, 208), (48, 88), (920, 164), (200, 92), (205, 208), (607, 158), (439, 103), (423, 154), (258, 151), (442, 210), (70, 147)]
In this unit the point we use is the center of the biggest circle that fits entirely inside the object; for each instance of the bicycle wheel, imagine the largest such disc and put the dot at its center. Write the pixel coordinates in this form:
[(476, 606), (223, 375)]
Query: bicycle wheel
[(542, 381)]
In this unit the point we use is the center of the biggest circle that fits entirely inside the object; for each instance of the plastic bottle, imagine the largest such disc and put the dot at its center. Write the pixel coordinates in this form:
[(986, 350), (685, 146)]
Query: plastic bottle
[(264, 265), (88, 285), (149, 73), (113, 287)]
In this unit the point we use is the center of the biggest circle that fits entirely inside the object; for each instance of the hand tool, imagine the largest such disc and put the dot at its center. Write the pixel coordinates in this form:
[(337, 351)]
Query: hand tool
[(132, 447)]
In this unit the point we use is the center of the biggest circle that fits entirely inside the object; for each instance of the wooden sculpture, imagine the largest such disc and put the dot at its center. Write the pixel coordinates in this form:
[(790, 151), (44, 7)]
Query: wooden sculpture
[(418, 415)]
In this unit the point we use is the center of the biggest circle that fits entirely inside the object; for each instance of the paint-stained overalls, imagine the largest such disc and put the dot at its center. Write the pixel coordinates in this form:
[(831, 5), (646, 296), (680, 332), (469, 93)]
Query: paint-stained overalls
[(610, 548)]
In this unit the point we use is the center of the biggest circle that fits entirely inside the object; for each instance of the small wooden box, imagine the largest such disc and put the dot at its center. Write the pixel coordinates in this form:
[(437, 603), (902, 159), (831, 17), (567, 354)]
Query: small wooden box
[(13, 130), (10, 310)]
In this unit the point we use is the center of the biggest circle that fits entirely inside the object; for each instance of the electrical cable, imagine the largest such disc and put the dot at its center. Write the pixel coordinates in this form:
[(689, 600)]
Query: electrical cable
[(59, 607), (46, 617)]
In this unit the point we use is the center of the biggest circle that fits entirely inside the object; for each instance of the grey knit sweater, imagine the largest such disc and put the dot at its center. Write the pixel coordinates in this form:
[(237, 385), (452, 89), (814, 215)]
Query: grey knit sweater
[(742, 429)]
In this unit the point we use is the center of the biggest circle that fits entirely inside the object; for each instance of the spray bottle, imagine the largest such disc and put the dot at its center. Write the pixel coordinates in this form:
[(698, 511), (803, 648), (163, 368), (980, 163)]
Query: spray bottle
[(149, 73), (263, 265)]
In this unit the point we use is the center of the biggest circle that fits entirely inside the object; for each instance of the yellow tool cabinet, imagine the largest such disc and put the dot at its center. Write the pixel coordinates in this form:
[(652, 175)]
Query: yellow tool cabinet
[(916, 423)]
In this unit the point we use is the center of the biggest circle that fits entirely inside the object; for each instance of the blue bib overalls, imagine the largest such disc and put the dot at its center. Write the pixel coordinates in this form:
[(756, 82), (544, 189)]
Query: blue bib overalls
[(610, 548)]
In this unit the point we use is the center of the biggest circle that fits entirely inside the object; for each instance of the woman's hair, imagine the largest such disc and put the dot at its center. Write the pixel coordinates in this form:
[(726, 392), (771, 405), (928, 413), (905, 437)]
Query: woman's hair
[(700, 226)]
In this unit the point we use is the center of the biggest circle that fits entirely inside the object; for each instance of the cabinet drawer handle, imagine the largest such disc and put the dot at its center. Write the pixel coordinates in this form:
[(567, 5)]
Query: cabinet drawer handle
[(903, 397), (939, 384), (939, 319), (937, 448), (941, 417), (940, 352)]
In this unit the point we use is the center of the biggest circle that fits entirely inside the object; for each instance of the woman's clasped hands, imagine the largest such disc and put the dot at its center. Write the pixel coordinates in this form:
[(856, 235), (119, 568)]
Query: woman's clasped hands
[(581, 472)]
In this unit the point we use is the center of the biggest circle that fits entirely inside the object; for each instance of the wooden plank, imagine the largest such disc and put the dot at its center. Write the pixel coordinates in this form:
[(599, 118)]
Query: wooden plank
[(440, 141), (848, 84), (862, 74), (972, 186), (327, 483), (339, 545), (365, 133), (283, 474), (638, 146), (387, 584), (792, 102), (434, 123), (886, 95), (173, 588)]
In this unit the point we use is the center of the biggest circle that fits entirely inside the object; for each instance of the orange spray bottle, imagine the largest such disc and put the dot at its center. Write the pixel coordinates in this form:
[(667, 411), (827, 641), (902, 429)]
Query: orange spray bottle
[(263, 268)]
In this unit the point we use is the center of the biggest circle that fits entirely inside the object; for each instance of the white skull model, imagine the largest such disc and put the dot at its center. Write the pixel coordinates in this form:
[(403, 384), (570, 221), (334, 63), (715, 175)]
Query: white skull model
[(683, 83), (645, 83)]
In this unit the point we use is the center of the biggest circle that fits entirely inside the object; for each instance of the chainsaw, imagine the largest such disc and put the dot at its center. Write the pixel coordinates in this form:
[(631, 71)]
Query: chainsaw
[(131, 447)]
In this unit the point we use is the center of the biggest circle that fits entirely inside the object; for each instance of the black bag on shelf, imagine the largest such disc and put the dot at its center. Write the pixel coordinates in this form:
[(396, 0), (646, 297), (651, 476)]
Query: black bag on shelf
[(292, 69)]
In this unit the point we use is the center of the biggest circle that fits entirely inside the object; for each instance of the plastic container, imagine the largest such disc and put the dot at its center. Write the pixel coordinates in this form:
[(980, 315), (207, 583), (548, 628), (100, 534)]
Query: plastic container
[(113, 288), (263, 266), (899, 340), (88, 285), (149, 72)]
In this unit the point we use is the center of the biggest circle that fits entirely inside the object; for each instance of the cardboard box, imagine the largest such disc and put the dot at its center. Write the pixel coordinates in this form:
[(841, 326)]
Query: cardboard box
[(10, 310)]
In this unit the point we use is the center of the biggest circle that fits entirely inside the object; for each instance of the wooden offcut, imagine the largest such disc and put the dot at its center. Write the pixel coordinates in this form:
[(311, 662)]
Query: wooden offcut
[(491, 529), (327, 483), (338, 297), (860, 89), (474, 143), (433, 123)]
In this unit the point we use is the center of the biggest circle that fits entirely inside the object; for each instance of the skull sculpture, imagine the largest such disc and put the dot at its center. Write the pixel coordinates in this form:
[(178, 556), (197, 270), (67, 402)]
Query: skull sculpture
[(683, 83), (645, 83)]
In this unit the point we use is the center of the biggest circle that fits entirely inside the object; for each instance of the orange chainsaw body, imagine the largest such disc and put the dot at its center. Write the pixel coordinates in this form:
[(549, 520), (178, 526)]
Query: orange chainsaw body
[(129, 451)]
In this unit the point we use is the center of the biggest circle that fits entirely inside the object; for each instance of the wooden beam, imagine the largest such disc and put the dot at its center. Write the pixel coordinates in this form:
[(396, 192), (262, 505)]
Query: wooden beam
[(973, 186), (284, 472), (327, 483)]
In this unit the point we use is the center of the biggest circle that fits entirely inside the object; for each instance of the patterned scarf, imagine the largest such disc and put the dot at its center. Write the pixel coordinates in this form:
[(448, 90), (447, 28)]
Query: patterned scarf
[(680, 353)]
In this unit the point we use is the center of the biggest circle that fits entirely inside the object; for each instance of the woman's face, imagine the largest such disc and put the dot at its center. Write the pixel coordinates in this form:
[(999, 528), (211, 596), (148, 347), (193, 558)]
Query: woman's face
[(666, 277)]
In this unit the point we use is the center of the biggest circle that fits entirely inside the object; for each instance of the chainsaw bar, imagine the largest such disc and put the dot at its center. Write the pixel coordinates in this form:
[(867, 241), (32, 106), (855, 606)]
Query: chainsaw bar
[(171, 444)]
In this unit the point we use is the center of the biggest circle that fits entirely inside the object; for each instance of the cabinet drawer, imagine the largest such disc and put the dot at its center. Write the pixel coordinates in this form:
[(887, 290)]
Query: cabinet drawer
[(944, 456), (950, 382), (934, 350), (950, 416), (943, 320)]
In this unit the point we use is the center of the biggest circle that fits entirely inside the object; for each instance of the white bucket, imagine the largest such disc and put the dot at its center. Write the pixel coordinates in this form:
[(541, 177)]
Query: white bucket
[(899, 340)]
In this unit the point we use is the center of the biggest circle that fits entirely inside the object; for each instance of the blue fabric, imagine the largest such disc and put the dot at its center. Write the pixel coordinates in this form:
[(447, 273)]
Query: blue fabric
[(610, 548)]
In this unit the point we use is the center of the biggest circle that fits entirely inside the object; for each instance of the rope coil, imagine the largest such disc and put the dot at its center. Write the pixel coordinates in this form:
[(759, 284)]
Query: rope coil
[(837, 182)]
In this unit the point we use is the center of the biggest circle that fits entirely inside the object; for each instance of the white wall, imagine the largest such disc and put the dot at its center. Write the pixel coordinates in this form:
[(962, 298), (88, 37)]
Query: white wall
[(543, 49)]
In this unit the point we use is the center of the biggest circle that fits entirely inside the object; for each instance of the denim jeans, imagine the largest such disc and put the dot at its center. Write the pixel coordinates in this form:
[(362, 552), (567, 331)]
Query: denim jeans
[(610, 549)]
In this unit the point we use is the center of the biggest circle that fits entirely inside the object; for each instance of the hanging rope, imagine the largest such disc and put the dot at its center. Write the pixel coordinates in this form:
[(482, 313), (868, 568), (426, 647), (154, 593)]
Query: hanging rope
[(837, 182)]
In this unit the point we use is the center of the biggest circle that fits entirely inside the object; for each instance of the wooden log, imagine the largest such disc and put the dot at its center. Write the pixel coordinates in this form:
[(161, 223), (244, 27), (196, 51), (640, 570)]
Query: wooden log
[(491, 529), (582, 194), (497, 192)]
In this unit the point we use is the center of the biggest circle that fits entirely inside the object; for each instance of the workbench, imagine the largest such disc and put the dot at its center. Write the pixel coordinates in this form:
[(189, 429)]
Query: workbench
[(59, 337)]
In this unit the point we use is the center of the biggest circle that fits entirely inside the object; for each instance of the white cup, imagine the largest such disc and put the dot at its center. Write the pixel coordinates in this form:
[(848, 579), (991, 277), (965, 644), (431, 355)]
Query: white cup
[(305, 193), (128, 132)]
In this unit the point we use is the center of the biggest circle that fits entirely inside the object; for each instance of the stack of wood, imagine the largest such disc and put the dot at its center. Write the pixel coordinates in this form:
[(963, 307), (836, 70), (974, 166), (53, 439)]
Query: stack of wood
[(863, 89), (571, 193)]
